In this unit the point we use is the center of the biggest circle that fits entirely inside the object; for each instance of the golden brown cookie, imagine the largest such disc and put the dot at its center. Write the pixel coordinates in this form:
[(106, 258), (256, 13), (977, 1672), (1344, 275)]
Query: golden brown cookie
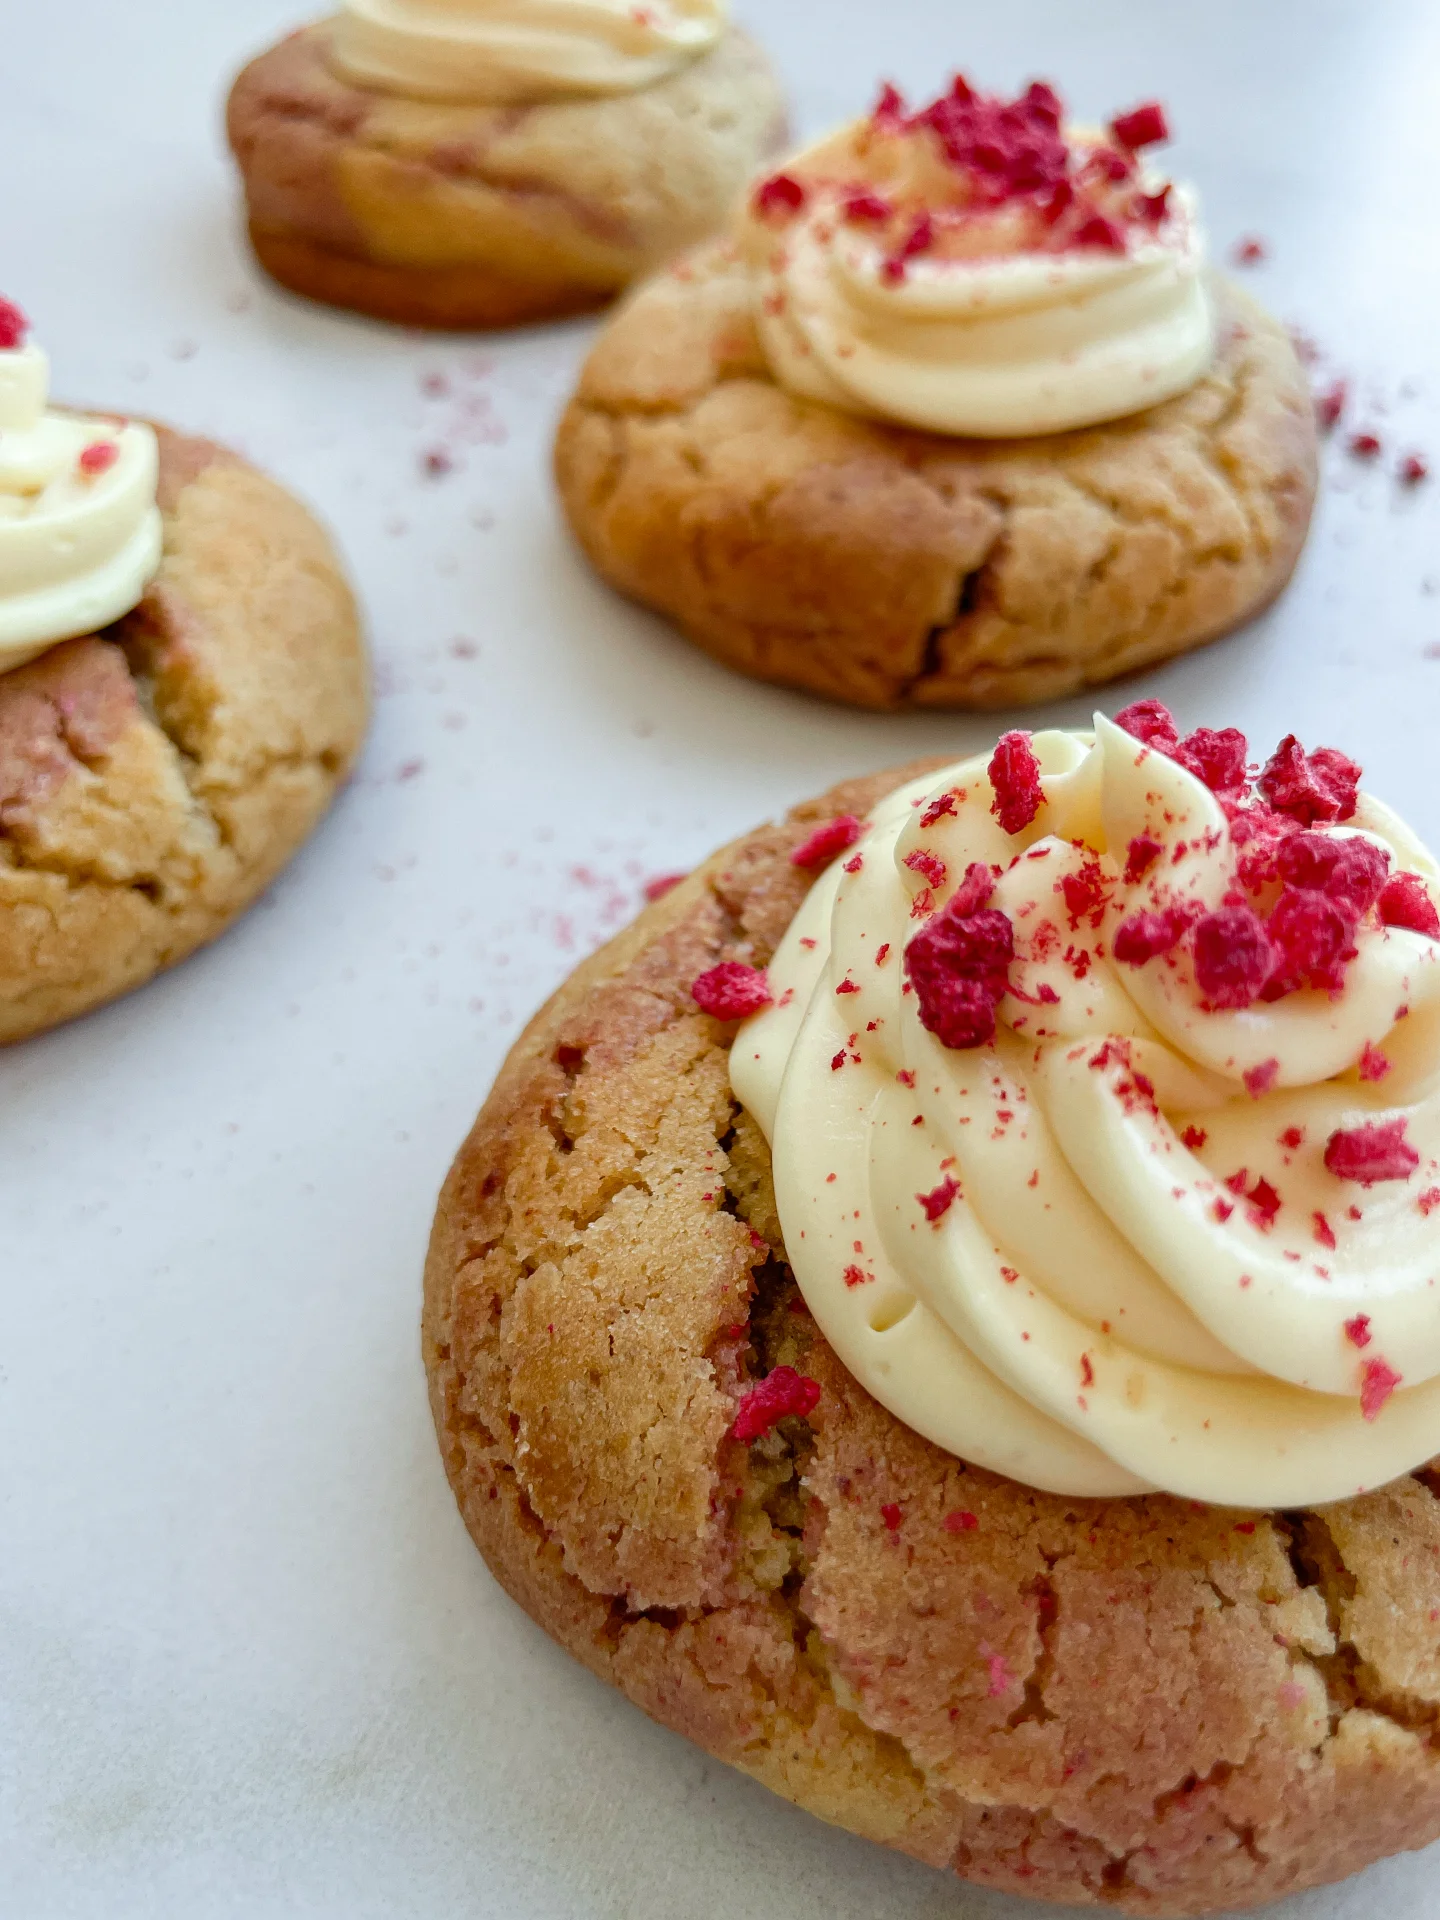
[(464, 216), (889, 568), (155, 778), (1137, 1703)]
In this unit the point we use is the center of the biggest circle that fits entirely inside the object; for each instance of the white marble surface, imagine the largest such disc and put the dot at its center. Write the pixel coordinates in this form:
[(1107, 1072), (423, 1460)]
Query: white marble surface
[(249, 1663)]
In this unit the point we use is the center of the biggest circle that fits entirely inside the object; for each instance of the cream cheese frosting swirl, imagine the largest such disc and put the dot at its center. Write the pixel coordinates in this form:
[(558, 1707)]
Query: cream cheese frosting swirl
[(1176, 1223), (80, 533), (977, 270), (515, 52)]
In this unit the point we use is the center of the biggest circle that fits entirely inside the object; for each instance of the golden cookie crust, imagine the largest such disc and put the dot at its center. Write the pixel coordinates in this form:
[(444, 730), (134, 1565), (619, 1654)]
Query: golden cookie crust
[(470, 217), (891, 569), (154, 778), (1137, 1703)]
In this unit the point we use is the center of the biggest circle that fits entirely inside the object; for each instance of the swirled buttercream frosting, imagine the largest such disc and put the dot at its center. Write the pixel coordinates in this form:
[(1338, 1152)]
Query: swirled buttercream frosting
[(80, 533), (1102, 1083), (516, 52), (980, 268)]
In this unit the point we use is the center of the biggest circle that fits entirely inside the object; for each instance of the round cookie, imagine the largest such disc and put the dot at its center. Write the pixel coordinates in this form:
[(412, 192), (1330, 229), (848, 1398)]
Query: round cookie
[(472, 216), (1136, 1703), (155, 778), (890, 568)]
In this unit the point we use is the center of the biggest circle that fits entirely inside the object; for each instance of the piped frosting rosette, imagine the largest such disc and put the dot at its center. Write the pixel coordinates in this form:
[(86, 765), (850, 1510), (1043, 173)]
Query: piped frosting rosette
[(1102, 1083)]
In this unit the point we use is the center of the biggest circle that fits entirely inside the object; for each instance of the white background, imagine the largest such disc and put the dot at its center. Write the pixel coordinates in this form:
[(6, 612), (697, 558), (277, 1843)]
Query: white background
[(249, 1662)]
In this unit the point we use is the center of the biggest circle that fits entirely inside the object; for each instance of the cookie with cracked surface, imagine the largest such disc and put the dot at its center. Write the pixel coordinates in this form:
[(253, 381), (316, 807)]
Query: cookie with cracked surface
[(448, 216), (154, 778), (890, 568), (1135, 1703)]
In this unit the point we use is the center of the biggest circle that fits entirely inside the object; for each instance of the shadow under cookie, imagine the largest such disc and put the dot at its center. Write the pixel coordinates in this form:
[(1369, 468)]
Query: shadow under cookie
[(889, 568), (154, 778)]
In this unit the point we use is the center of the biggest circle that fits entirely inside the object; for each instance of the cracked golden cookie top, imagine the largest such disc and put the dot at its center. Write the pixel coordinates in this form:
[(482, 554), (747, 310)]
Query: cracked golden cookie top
[(1102, 1084), (979, 267), (80, 531)]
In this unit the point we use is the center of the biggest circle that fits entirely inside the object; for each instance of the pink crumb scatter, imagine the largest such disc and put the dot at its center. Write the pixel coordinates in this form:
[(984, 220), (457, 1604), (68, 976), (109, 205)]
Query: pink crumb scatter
[(1378, 1380), (662, 884), (1141, 854), (1259, 1080), (434, 385), (1372, 1065), (98, 458), (1330, 404), (435, 463), (1292, 1138), (410, 770), (854, 1276), (1244, 1526), (938, 809), (1001, 1679), (892, 1516), (867, 209), (847, 985), (1015, 776), (938, 1202), (1324, 1232), (731, 991), (1085, 892), (779, 197), (781, 1395), (1406, 902), (882, 953), (1357, 1331), (929, 866), (1371, 1153), (1365, 446), (855, 863), (835, 837), (961, 1521), (1087, 1371), (1428, 1201), (1194, 1138), (1292, 1695), (1413, 469), (463, 649), (1249, 251)]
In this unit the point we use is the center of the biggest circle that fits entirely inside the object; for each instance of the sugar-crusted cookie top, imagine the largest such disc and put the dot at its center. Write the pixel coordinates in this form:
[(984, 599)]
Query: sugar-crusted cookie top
[(980, 268), (1101, 1082)]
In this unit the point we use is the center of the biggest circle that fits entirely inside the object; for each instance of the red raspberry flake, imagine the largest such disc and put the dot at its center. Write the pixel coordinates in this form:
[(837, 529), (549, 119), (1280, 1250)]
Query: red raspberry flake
[(1141, 854), (1365, 446), (939, 1202), (14, 327), (856, 1276), (1153, 207), (1151, 723), (1144, 126), (662, 884), (1428, 1201), (1331, 404), (929, 866), (892, 1516), (1376, 1151), (1145, 935), (1194, 1138), (1087, 1371), (867, 209), (938, 810), (920, 239), (960, 1522), (1244, 1526), (1097, 231), (1406, 902), (1084, 892), (1357, 1331), (779, 197), (883, 954), (1259, 1080), (1233, 957), (781, 1395), (1015, 776), (847, 985), (732, 991), (1350, 870), (1413, 469), (1372, 1064), (98, 458), (826, 841), (437, 463), (1215, 756), (890, 109), (1314, 940), (1377, 1382), (1324, 1232), (1057, 203), (974, 890), (958, 965), (1250, 251), (1322, 785), (1292, 1138), (1264, 1202)]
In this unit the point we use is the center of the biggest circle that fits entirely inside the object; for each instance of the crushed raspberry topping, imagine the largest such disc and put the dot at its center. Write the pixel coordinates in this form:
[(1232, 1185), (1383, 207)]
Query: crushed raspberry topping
[(1144, 936), (1406, 902), (1371, 1153), (1372, 1064), (1357, 1331), (958, 965), (732, 991), (929, 866), (892, 1516), (1141, 854), (780, 196), (1259, 1080), (1322, 785), (867, 208), (1413, 469), (1350, 871), (938, 1202), (1151, 723), (1085, 892), (1331, 404), (781, 1395), (974, 890), (1324, 1232), (960, 1522), (1217, 758), (1194, 1138), (1314, 942), (98, 458), (1233, 957), (938, 810), (1377, 1382), (1142, 127), (833, 838), (662, 884), (14, 327), (1015, 775)]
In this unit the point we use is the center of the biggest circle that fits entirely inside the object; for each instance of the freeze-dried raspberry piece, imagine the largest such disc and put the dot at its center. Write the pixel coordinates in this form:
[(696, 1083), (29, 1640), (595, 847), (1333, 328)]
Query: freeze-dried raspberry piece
[(98, 458), (1143, 126), (1097, 231), (1349, 869), (662, 884), (868, 209), (1145, 935), (1357, 1331), (1216, 757), (938, 809), (827, 841), (929, 866), (1015, 776), (781, 1395), (1233, 957), (1377, 1382), (958, 965), (1330, 404), (1406, 902), (731, 991), (1375, 1151), (939, 1201), (1372, 1064), (1314, 939), (961, 1521), (1310, 786), (1150, 722), (14, 327), (973, 891), (1085, 892), (893, 1515), (779, 197), (1141, 854)]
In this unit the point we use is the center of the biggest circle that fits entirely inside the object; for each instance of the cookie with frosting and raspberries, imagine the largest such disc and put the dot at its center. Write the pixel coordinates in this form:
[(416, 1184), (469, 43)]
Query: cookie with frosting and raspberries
[(959, 419), (444, 172), (183, 689), (1132, 1699)]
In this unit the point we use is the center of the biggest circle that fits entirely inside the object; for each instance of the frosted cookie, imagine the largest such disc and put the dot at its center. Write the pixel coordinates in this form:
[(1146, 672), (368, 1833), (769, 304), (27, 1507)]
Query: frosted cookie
[(496, 161), (182, 690), (959, 420), (940, 1312)]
